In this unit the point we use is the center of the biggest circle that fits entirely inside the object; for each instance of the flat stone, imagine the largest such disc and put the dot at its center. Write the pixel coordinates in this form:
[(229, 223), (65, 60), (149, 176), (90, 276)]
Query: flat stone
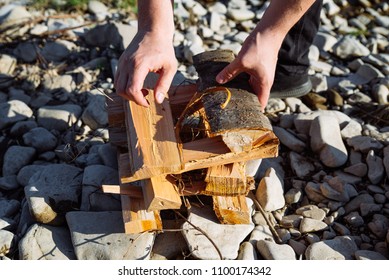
[(95, 114), (291, 221), (379, 226), (354, 219), (54, 191), (247, 252), (376, 170), (355, 203), (368, 255), (6, 223), (9, 183), (13, 111), (43, 242), (300, 165), (57, 51), (364, 143), (348, 47), (41, 139), (317, 214), (314, 192), (226, 237), (289, 140), (359, 169), (8, 207), (339, 248), (240, 14), (97, 240), (56, 83), (272, 251), (16, 157), (26, 172), (59, 117), (312, 225)]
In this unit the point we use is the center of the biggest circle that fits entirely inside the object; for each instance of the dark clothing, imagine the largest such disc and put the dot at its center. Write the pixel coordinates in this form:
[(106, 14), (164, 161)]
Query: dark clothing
[(293, 56)]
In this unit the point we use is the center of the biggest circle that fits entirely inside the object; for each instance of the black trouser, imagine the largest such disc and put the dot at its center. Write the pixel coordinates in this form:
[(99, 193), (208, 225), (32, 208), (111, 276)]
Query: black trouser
[(293, 56)]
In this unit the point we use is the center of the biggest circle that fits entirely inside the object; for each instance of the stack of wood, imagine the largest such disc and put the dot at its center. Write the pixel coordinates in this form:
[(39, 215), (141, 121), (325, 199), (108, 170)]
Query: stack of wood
[(197, 142)]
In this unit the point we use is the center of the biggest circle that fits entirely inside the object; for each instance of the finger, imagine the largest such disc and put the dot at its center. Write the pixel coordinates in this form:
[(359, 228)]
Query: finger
[(163, 84), (229, 72), (262, 91), (135, 84)]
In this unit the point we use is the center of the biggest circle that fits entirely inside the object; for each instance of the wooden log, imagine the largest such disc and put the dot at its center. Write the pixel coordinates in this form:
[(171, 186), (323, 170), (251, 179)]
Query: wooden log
[(116, 116), (160, 194), (136, 219), (152, 145), (232, 209), (227, 180), (130, 190), (208, 152)]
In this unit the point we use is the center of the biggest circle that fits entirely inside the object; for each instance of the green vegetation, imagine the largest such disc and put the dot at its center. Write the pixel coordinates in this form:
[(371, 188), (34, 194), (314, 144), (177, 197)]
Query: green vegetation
[(65, 5)]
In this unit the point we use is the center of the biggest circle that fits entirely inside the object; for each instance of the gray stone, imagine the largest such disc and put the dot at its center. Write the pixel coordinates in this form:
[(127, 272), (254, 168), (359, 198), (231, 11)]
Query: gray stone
[(270, 192), (300, 165), (98, 9), (314, 192), (8, 207), (379, 226), (57, 51), (355, 203), (59, 117), (56, 83), (247, 251), (326, 140), (13, 111), (26, 172), (15, 158), (339, 248), (359, 169), (163, 242), (312, 225), (6, 242), (26, 51), (43, 242), (289, 140), (101, 236), (41, 139), (95, 114), (9, 183), (364, 143), (298, 247), (368, 255), (317, 214), (354, 219), (54, 191), (108, 154), (376, 170), (6, 223), (273, 251), (226, 237), (22, 127)]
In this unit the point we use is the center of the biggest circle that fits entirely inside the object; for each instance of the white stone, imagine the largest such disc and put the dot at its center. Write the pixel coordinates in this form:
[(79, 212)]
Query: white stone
[(270, 192), (241, 14), (348, 47), (13, 111), (300, 165), (272, 251), (289, 140)]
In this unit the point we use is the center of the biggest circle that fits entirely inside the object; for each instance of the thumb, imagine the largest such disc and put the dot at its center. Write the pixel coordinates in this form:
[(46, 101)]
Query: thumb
[(163, 85), (229, 72)]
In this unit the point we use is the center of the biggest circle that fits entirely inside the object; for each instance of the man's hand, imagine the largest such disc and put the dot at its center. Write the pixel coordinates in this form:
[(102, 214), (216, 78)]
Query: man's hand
[(148, 52), (258, 58)]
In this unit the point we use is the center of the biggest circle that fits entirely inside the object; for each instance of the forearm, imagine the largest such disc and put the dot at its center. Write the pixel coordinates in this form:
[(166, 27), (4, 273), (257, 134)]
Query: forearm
[(156, 16), (280, 17)]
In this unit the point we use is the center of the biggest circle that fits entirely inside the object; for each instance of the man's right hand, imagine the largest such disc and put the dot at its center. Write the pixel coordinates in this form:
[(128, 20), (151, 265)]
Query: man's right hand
[(148, 52)]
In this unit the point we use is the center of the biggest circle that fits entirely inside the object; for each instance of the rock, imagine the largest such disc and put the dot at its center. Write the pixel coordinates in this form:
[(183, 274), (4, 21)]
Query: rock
[(376, 168), (379, 226), (312, 225), (348, 47), (59, 117), (26, 172), (15, 158), (13, 111), (364, 143), (270, 192), (260, 232), (339, 248), (63, 83), (240, 14), (43, 242), (355, 203), (330, 146), (247, 252), (53, 192), (8, 207), (6, 242), (57, 51), (41, 139), (300, 165), (7, 64), (226, 237), (8, 183), (354, 219), (26, 51), (288, 139), (273, 251), (96, 240), (95, 114), (103, 36), (368, 255), (316, 214), (98, 9)]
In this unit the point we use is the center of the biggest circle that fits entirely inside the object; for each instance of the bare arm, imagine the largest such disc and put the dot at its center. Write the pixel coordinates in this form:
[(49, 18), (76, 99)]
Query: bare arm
[(259, 52), (150, 51)]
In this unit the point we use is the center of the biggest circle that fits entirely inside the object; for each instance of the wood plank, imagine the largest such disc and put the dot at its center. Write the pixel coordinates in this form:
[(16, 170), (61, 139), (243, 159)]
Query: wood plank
[(205, 153), (160, 194), (232, 209), (130, 190), (227, 180), (136, 219), (152, 145)]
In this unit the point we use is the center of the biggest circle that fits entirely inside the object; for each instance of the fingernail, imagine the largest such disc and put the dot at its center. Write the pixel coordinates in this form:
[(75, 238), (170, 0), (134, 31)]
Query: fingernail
[(160, 97)]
